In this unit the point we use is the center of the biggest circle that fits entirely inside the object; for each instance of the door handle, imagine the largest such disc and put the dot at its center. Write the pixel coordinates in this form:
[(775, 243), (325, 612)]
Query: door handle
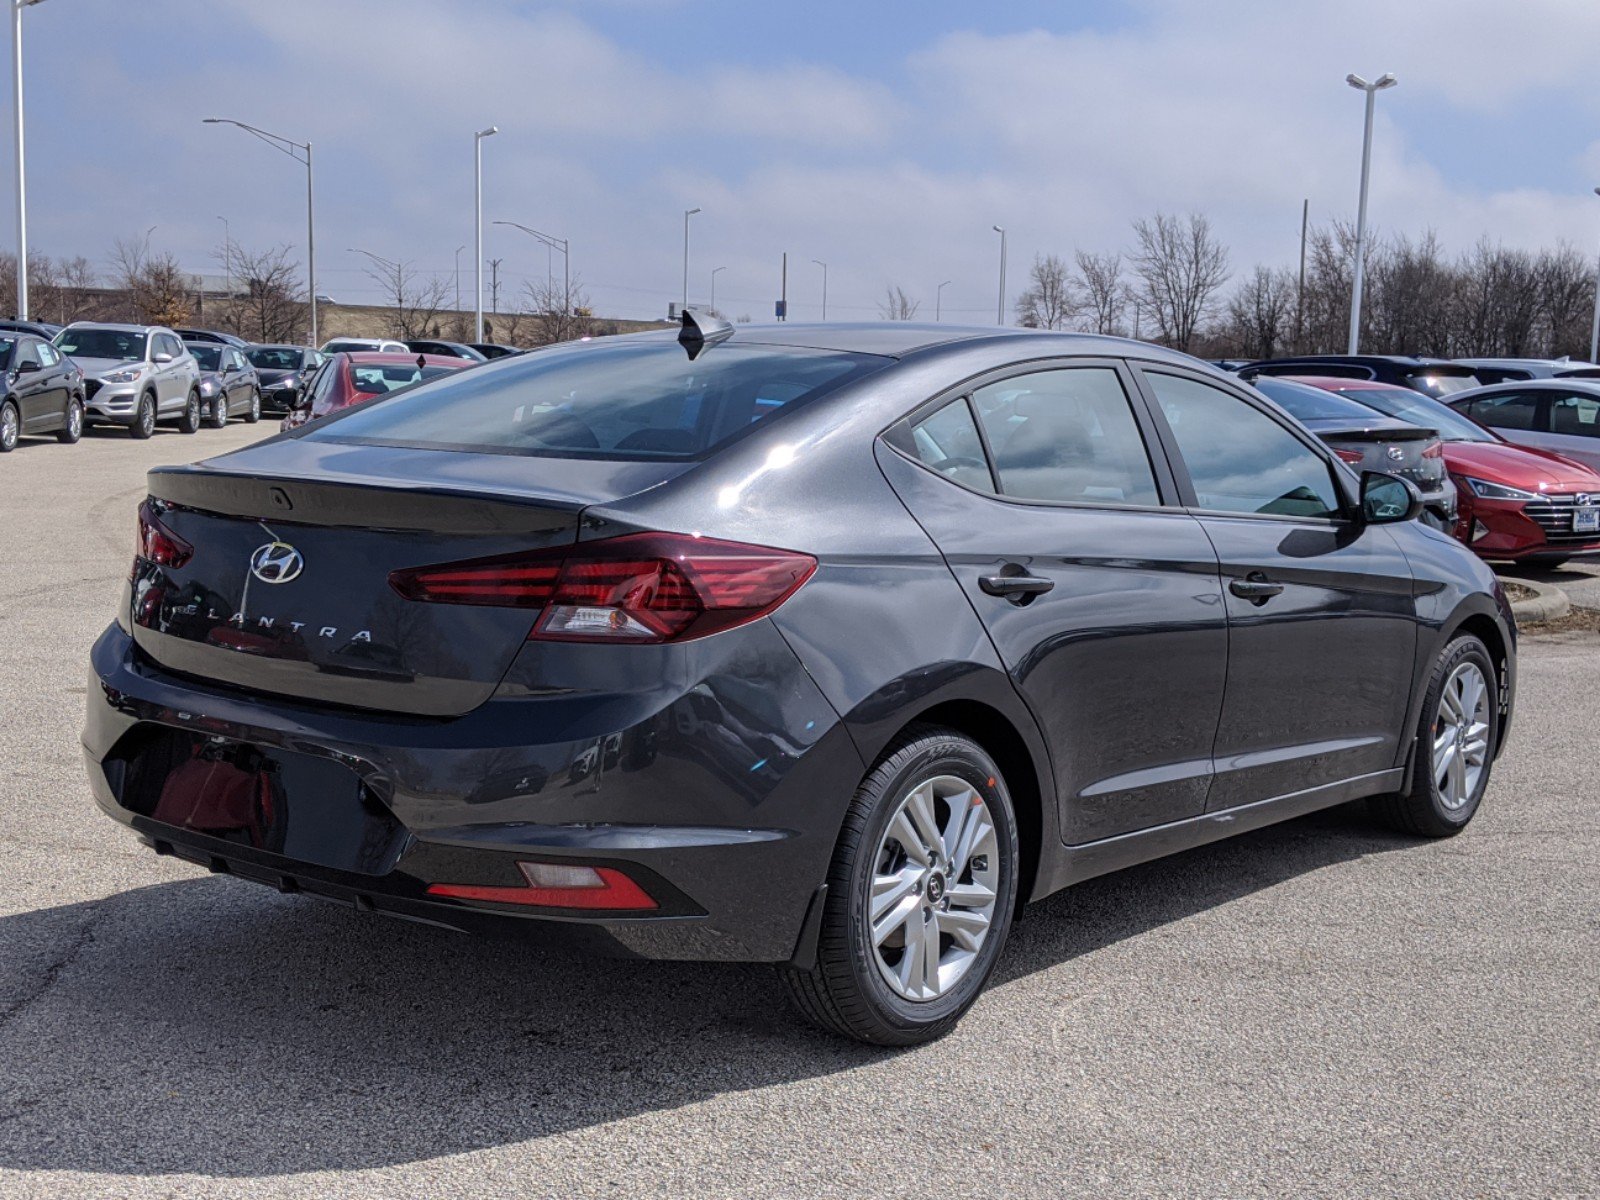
[(1255, 587), (1018, 589)]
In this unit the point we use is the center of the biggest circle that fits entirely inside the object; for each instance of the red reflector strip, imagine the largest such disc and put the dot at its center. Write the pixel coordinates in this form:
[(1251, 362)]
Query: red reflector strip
[(616, 893)]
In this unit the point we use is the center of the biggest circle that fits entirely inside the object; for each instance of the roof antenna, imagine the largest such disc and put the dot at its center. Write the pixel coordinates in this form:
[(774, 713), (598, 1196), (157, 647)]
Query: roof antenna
[(702, 328)]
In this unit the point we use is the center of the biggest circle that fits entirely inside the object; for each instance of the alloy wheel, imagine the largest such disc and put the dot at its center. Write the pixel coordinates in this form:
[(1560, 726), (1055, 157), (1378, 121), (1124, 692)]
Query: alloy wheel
[(936, 876), (1461, 736), (9, 429)]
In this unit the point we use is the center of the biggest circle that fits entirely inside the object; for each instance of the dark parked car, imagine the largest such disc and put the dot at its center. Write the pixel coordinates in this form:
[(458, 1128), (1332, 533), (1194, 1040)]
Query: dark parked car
[(1513, 502), (39, 329), (825, 646), (214, 336), (228, 383), (1559, 415), (1430, 376), (447, 349), (284, 372), (43, 391), (353, 378), (495, 349), (1370, 441)]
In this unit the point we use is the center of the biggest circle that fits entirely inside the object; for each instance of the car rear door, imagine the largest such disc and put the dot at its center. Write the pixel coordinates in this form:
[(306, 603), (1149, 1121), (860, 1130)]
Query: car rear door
[(1100, 595), (1520, 415), (1571, 425), (1321, 608)]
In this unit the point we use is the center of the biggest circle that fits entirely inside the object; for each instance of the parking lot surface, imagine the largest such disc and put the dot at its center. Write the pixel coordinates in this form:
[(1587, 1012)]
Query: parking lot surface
[(1318, 1009)]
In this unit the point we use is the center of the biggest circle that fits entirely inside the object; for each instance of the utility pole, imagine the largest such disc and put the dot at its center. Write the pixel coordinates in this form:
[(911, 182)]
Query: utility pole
[(783, 295), (1300, 288), (494, 289), (938, 300)]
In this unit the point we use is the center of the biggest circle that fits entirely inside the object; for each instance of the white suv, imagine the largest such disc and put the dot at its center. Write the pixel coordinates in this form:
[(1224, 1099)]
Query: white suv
[(134, 375)]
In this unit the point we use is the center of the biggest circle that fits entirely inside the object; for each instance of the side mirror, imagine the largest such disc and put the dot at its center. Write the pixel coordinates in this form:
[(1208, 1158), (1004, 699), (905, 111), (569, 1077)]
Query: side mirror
[(160, 357), (27, 368), (1388, 499)]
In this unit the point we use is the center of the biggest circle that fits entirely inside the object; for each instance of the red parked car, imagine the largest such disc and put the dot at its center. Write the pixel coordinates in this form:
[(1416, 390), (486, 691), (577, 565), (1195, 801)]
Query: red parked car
[(359, 375), (1515, 502)]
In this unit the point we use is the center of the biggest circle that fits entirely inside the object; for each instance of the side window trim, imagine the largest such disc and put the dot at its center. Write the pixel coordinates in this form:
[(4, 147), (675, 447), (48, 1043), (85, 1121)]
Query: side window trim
[(1180, 470)]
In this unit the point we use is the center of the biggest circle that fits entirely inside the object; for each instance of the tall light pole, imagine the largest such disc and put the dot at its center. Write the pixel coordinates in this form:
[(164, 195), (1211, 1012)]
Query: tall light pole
[(477, 226), (560, 244), (1372, 90), (824, 267), (22, 187), (938, 300), (1594, 331), (1000, 309), (459, 249), (714, 271), (294, 150), (227, 255), (687, 213)]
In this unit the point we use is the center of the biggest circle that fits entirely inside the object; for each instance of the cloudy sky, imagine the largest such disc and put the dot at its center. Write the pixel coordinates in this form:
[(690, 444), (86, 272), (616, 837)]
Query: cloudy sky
[(883, 137)]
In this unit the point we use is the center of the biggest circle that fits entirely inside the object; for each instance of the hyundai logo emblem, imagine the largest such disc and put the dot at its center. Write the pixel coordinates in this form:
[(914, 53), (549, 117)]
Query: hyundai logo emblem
[(1583, 499), (277, 562), (1396, 453)]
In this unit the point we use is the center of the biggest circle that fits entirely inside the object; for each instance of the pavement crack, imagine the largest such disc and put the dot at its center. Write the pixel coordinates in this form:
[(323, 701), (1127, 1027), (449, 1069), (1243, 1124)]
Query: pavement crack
[(52, 971)]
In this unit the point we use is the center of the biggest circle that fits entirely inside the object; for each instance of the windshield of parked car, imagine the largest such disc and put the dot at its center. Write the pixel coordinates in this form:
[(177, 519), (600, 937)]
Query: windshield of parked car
[(348, 345), (1309, 403), (1417, 409), (1434, 382), (618, 400), (101, 343), (274, 358), (376, 379), (208, 356)]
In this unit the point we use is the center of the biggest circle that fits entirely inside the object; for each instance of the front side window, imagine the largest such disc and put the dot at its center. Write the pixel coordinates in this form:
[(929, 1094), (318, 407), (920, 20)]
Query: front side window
[(1512, 410), (28, 355), (1240, 460), (1066, 435), (948, 442)]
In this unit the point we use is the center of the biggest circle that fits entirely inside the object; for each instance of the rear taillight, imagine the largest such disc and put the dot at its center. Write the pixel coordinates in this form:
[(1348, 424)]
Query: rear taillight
[(557, 885), (1351, 456), (642, 587), (1433, 450), (157, 543)]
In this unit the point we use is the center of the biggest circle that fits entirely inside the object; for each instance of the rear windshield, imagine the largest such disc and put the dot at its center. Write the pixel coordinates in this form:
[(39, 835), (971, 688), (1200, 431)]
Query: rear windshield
[(101, 343), (1415, 409), (274, 358), (1432, 381), (612, 400), (1308, 403), (375, 379)]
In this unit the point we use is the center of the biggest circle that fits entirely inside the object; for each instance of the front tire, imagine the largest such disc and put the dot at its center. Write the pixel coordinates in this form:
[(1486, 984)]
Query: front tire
[(10, 427), (70, 432), (144, 418), (1455, 746), (190, 421), (217, 418), (920, 896)]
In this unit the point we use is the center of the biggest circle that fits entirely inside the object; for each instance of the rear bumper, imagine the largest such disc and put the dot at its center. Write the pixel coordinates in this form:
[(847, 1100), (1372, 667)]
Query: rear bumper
[(728, 826)]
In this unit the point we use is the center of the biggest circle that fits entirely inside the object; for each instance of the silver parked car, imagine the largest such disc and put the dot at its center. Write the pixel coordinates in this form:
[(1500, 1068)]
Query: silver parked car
[(134, 375), (349, 345), (1561, 415)]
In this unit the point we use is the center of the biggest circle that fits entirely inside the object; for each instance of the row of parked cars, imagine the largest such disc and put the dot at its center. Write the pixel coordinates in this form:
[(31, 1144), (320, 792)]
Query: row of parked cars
[(60, 380), (1505, 451)]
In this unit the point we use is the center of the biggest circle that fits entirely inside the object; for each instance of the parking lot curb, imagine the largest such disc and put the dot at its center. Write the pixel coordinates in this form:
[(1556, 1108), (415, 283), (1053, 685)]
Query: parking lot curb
[(1549, 603)]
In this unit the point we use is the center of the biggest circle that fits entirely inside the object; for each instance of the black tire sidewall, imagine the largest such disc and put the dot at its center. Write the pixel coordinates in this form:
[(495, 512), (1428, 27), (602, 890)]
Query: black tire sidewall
[(253, 413), (67, 435), (192, 412), (1462, 649), (6, 446), (144, 417)]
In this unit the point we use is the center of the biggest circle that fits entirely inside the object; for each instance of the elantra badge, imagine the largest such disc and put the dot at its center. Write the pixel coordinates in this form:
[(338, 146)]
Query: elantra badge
[(277, 562)]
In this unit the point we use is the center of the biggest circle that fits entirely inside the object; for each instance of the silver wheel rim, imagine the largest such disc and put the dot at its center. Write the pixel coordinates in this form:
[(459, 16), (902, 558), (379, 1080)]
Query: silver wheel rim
[(147, 415), (192, 414), (255, 405), (8, 426), (1461, 736), (935, 879), (74, 420)]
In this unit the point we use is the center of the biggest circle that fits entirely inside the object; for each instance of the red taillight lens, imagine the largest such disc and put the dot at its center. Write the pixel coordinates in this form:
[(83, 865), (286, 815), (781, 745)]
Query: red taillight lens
[(558, 885), (157, 543), (1351, 456), (642, 587), (1433, 450)]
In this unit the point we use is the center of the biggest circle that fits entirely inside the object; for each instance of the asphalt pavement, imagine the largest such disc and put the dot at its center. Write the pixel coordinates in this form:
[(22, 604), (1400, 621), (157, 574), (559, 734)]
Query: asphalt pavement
[(1318, 1009)]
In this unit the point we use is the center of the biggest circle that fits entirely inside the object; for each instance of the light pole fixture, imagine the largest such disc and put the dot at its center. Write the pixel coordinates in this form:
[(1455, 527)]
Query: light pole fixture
[(301, 153), (1000, 308), (560, 244), (1594, 330), (687, 213), (824, 267), (714, 271), (1372, 90), (477, 225), (938, 300), (22, 185)]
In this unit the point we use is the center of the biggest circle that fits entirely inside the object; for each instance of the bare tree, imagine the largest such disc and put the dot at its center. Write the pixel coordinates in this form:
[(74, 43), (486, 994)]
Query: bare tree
[(1180, 266), (559, 311), (266, 304), (1105, 298), (156, 290), (413, 299), (1260, 314), (1050, 300), (896, 305), (1566, 300)]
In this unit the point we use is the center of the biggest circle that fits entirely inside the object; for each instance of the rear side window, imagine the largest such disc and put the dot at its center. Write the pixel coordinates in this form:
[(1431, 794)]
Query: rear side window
[(1066, 435), (948, 442), (1241, 460), (618, 400), (1576, 416), (1513, 410)]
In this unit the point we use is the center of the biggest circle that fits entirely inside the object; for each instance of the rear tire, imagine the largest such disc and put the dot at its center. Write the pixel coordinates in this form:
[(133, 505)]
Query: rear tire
[(144, 418), (927, 858), (10, 427), (70, 432), (253, 413), (190, 421), (1456, 738)]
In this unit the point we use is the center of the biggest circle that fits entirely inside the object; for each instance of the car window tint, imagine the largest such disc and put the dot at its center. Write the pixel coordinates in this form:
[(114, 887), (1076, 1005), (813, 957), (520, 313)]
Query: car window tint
[(1239, 459), (1066, 435), (1512, 410), (1576, 416), (948, 442)]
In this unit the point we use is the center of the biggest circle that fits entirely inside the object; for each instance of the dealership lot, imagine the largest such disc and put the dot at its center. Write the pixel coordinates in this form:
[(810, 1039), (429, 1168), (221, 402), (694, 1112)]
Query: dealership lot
[(1318, 1008)]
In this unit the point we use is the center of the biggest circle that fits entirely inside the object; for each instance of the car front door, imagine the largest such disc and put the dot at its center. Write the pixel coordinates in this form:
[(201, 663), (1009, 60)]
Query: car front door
[(1101, 597), (33, 387), (58, 372), (1321, 607)]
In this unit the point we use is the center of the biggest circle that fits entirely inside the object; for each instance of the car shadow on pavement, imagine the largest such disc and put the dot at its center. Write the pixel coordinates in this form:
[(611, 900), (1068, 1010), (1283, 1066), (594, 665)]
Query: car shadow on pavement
[(206, 1026)]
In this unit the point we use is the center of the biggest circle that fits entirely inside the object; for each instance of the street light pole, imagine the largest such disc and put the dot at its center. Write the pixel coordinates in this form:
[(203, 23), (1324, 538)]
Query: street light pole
[(938, 300), (1372, 90), (566, 259), (227, 256), (714, 271), (477, 227), (687, 213), (1000, 308), (22, 187), (294, 150), (1594, 332), (824, 267)]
